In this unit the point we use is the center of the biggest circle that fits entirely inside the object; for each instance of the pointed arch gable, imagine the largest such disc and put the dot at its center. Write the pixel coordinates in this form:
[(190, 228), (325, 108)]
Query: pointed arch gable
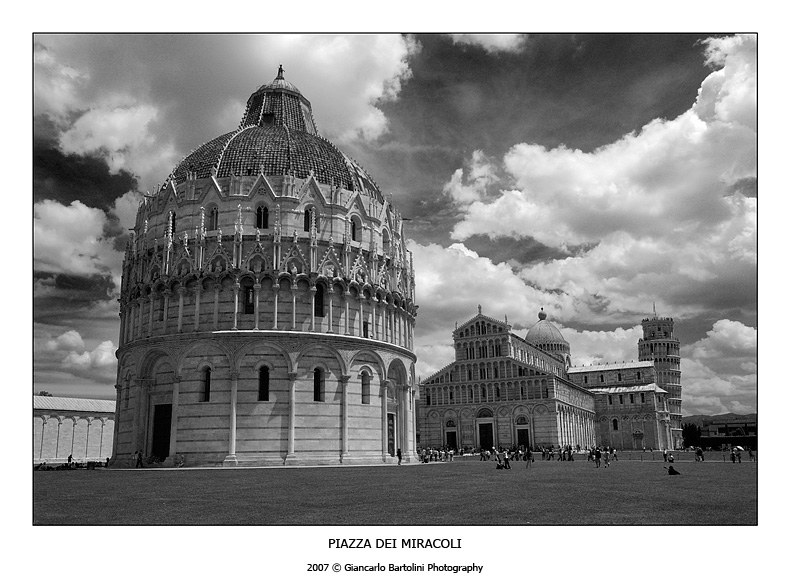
[(310, 191), (263, 189)]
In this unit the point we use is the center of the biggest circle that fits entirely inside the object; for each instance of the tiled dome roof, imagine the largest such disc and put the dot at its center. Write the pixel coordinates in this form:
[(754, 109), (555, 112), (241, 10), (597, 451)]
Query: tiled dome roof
[(277, 136), (544, 332)]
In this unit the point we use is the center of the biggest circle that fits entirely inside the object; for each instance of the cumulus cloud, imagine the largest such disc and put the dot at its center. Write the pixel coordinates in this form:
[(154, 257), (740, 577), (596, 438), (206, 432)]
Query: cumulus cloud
[(670, 199), (719, 371), (66, 356), (99, 363), (70, 340), (121, 133), (55, 86), (354, 74), (69, 239), (493, 43), (480, 176)]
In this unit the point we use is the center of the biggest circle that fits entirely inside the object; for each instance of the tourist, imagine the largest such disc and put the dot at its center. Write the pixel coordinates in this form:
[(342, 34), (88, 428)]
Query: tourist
[(670, 458), (614, 454), (732, 455), (751, 453), (507, 460), (597, 457), (139, 463), (400, 456), (606, 457), (528, 457), (738, 455), (665, 456), (70, 458)]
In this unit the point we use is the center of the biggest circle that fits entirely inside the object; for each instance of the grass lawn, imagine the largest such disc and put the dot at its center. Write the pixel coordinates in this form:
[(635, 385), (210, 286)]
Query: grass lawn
[(463, 492)]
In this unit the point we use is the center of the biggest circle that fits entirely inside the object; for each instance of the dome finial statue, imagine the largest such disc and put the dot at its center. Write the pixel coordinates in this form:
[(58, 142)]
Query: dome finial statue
[(280, 72)]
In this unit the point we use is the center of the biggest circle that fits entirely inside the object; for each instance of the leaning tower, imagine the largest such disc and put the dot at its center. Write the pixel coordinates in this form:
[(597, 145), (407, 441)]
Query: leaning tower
[(659, 344), (267, 304)]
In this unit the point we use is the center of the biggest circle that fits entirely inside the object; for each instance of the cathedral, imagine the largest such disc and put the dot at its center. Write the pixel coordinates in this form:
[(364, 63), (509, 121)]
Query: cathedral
[(506, 391), (267, 305)]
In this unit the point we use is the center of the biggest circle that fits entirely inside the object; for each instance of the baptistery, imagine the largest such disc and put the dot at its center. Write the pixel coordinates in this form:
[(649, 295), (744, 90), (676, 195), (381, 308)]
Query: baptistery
[(267, 305)]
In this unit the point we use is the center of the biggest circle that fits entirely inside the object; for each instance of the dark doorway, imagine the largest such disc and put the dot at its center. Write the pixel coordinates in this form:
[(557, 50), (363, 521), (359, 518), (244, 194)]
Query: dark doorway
[(160, 447), (522, 435), (452, 442), (391, 433), (486, 431)]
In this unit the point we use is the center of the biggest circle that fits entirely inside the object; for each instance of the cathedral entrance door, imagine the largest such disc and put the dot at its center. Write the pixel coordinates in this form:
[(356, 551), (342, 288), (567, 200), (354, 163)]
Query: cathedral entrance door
[(522, 437), (160, 446), (486, 432), (451, 440)]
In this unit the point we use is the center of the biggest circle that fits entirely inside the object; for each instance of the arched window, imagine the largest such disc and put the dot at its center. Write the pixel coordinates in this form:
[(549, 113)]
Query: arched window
[(161, 307), (365, 387), (318, 385), (308, 217), (263, 383), (262, 217), (614, 425), (356, 229), (213, 218), (249, 298), (318, 302), (205, 392)]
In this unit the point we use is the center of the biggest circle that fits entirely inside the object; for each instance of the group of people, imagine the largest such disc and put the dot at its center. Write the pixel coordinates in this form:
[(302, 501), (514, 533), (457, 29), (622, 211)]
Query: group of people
[(432, 454), (606, 453)]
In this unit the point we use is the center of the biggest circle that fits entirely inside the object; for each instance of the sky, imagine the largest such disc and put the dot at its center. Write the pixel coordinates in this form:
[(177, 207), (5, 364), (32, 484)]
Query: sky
[(592, 175)]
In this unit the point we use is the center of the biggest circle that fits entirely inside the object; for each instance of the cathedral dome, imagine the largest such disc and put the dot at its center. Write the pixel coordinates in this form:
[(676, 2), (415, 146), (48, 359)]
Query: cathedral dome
[(277, 136), (544, 332)]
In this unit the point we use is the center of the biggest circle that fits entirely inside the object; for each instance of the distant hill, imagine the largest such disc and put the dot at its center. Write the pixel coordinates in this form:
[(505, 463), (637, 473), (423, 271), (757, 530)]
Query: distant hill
[(702, 420)]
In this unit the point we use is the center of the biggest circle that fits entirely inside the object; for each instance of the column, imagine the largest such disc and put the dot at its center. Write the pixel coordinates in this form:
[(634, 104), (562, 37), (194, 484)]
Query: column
[(384, 452), (346, 295), (312, 309), (276, 292), (150, 314), (293, 305), (230, 459), (174, 420), (140, 303), (236, 288), (361, 316), (181, 291), (167, 293), (291, 411), (373, 321), (217, 287), (331, 294), (198, 289), (344, 386), (257, 288)]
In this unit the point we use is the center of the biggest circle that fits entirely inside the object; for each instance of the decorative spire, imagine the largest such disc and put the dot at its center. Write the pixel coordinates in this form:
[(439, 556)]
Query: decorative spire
[(479, 309)]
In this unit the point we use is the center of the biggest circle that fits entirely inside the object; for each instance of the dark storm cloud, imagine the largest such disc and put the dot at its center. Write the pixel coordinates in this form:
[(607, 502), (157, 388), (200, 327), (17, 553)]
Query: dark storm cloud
[(69, 177), (64, 295), (513, 251)]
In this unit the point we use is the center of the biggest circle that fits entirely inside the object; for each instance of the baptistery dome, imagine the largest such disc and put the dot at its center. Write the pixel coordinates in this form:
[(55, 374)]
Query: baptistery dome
[(267, 304)]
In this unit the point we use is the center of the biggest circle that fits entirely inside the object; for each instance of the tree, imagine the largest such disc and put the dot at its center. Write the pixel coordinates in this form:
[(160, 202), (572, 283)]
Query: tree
[(692, 434)]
